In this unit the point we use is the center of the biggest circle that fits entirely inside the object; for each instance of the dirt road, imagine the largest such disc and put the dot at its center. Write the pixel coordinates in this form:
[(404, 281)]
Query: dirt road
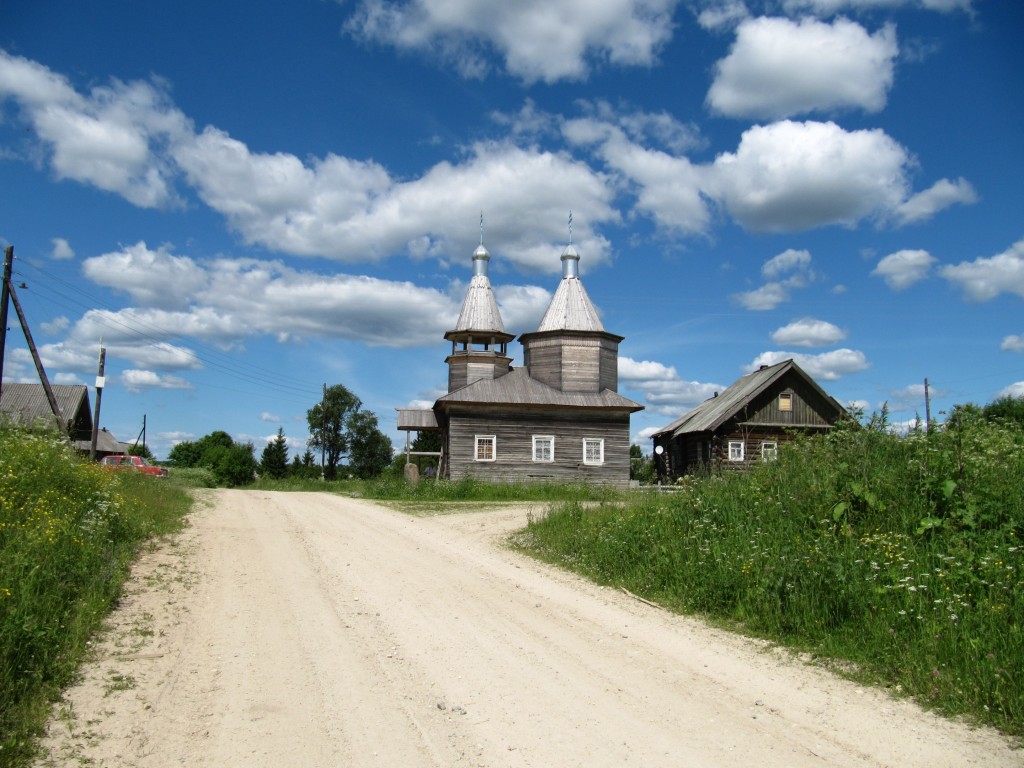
[(311, 630)]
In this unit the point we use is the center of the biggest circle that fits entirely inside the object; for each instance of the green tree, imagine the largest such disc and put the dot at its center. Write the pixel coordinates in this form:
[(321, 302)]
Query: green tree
[(235, 465), (186, 454), (1007, 409), (274, 460), (370, 449), (426, 440), (327, 425), (141, 449), (641, 468), (304, 467), (231, 463)]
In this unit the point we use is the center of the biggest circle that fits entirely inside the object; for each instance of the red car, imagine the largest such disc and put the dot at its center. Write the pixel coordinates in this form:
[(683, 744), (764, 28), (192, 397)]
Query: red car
[(139, 464)]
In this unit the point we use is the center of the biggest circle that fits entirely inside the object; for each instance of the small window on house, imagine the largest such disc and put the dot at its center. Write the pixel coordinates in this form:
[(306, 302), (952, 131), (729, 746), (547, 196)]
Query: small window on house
[(593, 451), (485, 447), (735, 450), (769, 450), (786, 401), (543, 448)]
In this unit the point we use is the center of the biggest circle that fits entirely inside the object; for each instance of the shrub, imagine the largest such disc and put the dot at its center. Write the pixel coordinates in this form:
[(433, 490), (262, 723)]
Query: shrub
[(901, 555), (68, 532)]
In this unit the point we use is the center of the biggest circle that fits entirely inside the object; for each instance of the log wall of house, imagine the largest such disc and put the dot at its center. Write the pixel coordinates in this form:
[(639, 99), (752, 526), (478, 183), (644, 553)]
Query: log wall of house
[(514, 432), (752, 440)]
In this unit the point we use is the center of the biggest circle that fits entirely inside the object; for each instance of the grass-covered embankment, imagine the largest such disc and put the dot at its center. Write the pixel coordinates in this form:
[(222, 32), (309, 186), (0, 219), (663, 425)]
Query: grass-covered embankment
[(901, 555), (68, 534)]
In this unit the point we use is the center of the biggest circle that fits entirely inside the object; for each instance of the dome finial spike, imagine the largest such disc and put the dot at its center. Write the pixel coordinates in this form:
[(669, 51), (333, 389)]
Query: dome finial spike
[(481, 227), (570, 227)]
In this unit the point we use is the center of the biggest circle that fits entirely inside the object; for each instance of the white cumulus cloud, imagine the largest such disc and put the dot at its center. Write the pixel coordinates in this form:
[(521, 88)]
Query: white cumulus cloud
[(826, 366), (1013, 343), (808, 332), (786, 271), (62, 251), (136, 381), (792, 176), (985, 278), (779, 68), (663, 389), (548, 40), (902, 269), (938, 197)]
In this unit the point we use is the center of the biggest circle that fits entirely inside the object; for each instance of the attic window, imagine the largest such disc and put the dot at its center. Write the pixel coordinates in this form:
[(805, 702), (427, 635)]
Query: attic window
[(786, 401)]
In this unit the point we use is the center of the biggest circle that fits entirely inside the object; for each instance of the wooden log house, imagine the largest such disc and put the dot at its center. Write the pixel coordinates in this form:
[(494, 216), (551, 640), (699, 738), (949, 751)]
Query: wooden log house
[(746, 423)]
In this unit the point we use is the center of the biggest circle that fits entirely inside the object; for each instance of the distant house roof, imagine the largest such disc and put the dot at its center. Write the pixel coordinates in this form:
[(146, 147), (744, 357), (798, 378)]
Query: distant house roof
[(517, 388), (106, 444), (714, 412), (26, 404)]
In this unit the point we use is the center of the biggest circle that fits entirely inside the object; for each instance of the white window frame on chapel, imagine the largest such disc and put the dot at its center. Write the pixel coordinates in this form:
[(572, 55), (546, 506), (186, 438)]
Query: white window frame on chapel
[(486, 444), (544, 448), (736, 450), (769, 450), (588, 444)]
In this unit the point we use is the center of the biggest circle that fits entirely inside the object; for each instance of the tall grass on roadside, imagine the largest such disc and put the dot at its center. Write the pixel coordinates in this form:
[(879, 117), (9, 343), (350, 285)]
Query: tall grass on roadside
[(472, 489), (68, 533), (391, 487), (901, 555)]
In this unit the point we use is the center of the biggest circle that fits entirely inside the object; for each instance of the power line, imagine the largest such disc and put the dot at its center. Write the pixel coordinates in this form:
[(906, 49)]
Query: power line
[(156, 335)]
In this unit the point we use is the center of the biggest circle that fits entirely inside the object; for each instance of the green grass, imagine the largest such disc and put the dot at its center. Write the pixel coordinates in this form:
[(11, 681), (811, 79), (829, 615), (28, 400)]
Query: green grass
[(901, 557), (425, 492), (68, 534)]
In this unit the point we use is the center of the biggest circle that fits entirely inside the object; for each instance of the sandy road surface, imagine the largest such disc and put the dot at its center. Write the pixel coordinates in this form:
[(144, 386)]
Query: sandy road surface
[(311, 630)]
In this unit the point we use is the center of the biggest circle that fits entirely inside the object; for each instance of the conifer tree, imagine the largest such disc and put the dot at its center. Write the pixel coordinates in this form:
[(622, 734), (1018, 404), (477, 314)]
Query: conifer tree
[(274, 461)]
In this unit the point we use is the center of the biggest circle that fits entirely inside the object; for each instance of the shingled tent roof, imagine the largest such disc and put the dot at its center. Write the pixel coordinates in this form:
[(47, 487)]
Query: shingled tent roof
[(480, 309), (571, 308), (517, 388), (714, 412)]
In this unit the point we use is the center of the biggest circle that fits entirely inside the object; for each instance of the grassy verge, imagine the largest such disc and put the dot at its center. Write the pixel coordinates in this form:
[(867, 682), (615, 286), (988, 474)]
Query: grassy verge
[(439, 493), (68, 534), (899, 556)]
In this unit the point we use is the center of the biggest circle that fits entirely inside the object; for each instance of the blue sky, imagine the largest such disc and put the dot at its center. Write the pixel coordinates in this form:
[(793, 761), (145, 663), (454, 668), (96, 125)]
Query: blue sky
[(248, 201)]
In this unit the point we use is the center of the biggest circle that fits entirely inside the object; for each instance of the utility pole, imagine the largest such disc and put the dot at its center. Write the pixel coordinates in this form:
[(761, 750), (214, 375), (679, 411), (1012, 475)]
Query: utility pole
[(323, 432), (39, 363), (4, 291), (927, 407), (100, 381)]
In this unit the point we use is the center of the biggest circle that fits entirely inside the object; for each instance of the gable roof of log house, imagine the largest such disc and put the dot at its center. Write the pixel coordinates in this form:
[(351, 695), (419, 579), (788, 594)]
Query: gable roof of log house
[(714, 412), (26, 404), (518, 388)]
